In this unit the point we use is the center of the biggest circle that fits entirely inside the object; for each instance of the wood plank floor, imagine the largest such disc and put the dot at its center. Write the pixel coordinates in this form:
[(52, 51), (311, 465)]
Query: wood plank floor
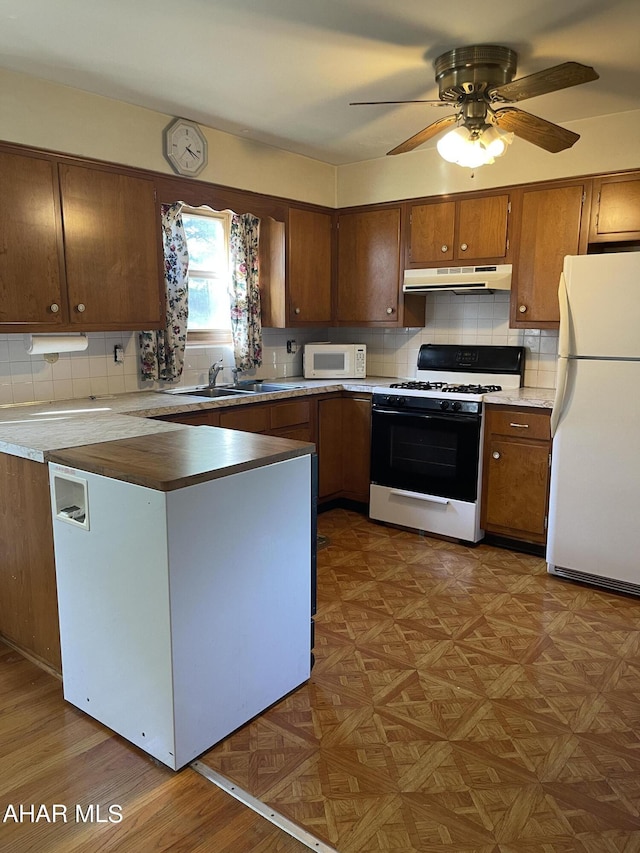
[(51, 753), (462, 700)]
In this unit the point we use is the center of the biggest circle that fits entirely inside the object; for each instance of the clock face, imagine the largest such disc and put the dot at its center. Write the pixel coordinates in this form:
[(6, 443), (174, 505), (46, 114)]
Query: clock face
[(185, 147)]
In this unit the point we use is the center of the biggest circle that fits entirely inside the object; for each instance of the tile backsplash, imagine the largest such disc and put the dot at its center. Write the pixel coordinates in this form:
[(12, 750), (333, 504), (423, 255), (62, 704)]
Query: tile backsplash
[(467, 319)]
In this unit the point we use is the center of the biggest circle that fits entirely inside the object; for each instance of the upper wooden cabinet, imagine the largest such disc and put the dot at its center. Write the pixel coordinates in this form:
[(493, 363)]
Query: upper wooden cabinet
[(309, 264), (32, 287), (616, 209), (112, 249), (549, 223), (369, 281), (81, 247), (467, 230)]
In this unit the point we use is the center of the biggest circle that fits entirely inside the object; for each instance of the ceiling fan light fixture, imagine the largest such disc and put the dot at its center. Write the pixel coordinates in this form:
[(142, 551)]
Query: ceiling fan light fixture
[(472, 148)]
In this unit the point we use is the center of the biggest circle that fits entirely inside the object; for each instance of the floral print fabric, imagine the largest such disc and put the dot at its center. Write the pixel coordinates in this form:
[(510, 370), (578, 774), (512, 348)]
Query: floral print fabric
[(246, 325), (162, 350)]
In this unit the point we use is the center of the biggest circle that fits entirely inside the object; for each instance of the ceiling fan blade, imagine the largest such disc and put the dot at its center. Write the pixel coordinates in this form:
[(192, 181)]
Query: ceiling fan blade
[(424, 135), (550, 80), (369, 103), (536, 130)]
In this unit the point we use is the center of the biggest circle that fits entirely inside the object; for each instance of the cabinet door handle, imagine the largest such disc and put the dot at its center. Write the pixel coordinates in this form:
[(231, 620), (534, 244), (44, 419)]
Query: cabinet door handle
[(495, 454), (81, 307), (54, 307), (522, 309), (444, 248), (390, 310), (519, 426), (296, 311), (464, 247)]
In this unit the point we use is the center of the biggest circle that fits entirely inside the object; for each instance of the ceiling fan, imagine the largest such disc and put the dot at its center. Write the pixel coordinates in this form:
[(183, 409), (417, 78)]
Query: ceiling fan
[(476, 80)]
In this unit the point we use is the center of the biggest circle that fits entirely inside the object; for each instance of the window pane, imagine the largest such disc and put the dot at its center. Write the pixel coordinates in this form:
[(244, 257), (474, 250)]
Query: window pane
[(208, 304), (206, 243)]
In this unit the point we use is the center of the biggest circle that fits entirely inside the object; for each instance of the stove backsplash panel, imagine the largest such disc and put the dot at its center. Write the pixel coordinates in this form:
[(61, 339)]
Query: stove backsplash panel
[(452, 319)]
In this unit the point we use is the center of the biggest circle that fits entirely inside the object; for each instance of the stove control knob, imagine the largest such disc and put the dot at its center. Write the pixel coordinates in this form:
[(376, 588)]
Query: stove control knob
[(456, 405), (444, 405), (400, 401)]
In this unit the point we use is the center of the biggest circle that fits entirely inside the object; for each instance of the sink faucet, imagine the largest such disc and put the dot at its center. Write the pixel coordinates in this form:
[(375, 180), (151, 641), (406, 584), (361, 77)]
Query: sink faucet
[(235, 371), (214, 370)]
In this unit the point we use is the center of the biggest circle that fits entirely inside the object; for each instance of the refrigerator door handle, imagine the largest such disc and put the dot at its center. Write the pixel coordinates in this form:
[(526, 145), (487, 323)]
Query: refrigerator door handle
[(563, 303), (558, 401), (563, 352)]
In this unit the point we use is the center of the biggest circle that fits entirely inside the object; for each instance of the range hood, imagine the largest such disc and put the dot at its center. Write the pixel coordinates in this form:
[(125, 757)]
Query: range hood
[(484, 279)]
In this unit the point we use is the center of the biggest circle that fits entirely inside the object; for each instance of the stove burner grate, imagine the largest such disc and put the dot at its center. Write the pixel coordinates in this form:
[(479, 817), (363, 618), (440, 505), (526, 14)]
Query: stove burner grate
[(447, 388)]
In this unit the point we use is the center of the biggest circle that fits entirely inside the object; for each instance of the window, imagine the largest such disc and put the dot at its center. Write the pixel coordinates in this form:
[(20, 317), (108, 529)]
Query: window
[(207, 233)]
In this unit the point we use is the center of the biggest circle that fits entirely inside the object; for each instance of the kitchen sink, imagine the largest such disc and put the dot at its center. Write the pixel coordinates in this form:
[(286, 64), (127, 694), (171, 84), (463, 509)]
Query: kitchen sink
[(209, 392), (242, 389), (259, 387)]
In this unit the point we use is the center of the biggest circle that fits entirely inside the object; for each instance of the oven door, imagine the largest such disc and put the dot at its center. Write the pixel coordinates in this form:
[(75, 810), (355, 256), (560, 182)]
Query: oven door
[(429, 453)]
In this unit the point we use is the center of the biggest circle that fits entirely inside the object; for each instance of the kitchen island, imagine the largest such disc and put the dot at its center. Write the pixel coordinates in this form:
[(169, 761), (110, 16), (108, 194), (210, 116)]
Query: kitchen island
[(183, 610)]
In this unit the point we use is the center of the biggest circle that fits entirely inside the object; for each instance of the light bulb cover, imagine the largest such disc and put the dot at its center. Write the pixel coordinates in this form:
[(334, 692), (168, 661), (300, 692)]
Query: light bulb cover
[(472, 148)]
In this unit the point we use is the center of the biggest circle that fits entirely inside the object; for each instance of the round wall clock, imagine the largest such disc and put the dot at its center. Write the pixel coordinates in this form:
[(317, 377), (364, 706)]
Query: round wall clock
[(185, 147)]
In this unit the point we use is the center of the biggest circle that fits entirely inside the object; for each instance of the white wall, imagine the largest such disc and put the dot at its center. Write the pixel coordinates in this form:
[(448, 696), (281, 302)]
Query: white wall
[(59, 118), (606, 144)]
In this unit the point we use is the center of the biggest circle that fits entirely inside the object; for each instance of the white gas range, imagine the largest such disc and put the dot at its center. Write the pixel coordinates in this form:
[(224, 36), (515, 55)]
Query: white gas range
[(427, 438)]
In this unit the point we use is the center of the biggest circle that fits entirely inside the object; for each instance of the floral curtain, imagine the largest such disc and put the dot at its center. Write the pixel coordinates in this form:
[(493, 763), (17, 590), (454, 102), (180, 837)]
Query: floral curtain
[(246, 326), (162, 350)]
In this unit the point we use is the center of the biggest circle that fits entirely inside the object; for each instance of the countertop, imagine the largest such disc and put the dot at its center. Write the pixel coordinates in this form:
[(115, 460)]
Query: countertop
[(180, 458), (540, 398), (36, 430)]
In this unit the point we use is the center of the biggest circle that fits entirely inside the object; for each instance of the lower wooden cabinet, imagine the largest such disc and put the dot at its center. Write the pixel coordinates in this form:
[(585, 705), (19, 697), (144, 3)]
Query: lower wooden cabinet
[(339, 424), (516, 465), (344, 447)]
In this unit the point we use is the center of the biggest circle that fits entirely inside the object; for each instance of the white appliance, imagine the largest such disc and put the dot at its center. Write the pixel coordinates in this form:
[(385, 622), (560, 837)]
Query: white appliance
[(322, 360), (427, 434), (593, 534), (482, 279)]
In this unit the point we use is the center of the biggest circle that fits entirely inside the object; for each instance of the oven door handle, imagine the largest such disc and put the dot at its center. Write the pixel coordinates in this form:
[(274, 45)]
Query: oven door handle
[(432, 499), (428, 416)]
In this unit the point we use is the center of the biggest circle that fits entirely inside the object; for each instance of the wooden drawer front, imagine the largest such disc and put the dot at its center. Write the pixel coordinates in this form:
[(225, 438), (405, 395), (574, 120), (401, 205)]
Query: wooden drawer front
[(290, 414), (520, 422), (249, 419)]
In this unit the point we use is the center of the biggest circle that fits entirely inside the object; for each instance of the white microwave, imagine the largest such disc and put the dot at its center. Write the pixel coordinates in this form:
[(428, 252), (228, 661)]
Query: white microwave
[(334, 361)]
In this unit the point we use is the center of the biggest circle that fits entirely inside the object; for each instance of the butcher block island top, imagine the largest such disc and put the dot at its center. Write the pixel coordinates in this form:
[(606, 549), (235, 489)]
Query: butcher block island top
[(174, 460)]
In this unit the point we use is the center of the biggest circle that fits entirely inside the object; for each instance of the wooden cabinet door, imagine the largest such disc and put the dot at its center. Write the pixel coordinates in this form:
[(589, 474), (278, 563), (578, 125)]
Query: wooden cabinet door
[(369, 267), (616, 214), (518, 478), (432, 230), (113, 255), (515, 489), (356, 447), (330, 436), (482, 228), (550, 227), (246, 418), (31, 263), (309, 267)]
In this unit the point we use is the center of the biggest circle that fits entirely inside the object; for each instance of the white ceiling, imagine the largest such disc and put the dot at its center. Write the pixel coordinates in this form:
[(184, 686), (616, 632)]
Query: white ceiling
[(283, 72)]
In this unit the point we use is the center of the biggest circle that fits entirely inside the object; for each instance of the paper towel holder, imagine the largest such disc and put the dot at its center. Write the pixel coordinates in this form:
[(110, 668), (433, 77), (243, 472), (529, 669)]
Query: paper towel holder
[(51, 345)]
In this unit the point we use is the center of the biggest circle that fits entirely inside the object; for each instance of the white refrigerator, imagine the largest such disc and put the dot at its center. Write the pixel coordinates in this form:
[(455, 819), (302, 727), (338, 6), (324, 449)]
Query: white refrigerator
[(594, 505)]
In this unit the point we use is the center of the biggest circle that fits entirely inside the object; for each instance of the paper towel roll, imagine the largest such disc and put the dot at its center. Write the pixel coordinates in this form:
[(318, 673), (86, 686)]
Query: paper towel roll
[(42, 344)]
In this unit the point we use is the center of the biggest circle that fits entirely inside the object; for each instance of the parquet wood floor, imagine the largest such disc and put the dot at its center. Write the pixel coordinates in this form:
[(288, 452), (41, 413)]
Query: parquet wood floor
[(462, 700)]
